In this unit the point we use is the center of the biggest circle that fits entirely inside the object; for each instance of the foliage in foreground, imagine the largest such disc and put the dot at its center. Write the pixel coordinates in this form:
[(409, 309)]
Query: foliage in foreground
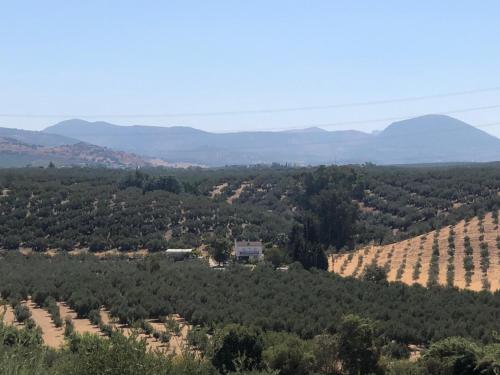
[(21, 353), (354, 350)]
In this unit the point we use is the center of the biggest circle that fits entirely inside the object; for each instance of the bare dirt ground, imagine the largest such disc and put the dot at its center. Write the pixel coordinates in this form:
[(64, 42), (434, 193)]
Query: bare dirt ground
[(426, 259), (400, 260), (494, 269), (177, 343), (115, 252), (237, 193), (459, 279), (393, 255), (473, 233), (8, 314), (168, 234), (351, 266), (399, 254), (81, 325), (443, 255), (370, 255), (52, 336), (78, 251), (25, 250), (335, 263), (217, 190), (411, 260)]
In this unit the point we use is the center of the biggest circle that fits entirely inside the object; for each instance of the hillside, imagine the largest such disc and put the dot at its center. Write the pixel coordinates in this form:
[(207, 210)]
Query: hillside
[(159, 208), (426, 139), (431, 139), (36, 137), (465, 255), (14, 153)]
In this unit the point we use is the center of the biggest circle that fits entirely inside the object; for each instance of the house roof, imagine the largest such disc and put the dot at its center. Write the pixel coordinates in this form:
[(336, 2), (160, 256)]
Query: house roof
[(247, 243)]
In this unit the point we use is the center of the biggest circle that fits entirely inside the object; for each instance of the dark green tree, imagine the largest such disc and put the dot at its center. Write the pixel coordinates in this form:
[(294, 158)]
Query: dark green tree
[(304, 247), (237, 347), (357, 351), (375, 274), (219, 249)]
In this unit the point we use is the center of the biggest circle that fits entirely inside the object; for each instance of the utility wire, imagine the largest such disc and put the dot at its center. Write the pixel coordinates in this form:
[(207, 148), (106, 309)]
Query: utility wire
[(256, 111), (376, 120)]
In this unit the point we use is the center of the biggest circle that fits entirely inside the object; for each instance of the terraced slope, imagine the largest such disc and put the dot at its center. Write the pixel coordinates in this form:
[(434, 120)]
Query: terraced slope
[(465, 255)]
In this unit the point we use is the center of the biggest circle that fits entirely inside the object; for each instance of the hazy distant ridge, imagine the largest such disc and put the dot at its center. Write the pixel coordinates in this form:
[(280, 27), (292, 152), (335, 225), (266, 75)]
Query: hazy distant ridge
[(426, 139)]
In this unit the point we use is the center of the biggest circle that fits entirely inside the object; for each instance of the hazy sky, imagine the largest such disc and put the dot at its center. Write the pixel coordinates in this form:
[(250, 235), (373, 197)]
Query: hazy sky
[(95, 58)]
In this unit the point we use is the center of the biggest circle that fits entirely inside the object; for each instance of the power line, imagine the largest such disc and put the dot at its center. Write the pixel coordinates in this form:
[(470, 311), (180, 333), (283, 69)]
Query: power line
[(376, 120), (256, 111)]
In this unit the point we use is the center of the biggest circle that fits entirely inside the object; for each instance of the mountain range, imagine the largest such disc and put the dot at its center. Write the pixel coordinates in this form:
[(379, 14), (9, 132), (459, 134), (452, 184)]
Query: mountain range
[(425, 139)]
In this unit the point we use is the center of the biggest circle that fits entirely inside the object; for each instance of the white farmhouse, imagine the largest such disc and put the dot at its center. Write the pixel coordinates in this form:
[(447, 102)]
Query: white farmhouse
[(246, 250)]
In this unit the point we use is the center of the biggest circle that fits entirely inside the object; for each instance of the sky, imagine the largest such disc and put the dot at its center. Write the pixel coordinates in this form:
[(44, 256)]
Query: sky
[(171, 63)]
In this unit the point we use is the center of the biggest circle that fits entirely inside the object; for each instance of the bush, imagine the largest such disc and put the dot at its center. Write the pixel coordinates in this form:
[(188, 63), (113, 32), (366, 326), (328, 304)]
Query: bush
[(39, 245), (290, 357), (22, 313), (197, 338), (11, 242), (51, 305), (106, 329), (68, 327), (97, 244), (156, 245), (95, 317), (452, 355), (357, 350)]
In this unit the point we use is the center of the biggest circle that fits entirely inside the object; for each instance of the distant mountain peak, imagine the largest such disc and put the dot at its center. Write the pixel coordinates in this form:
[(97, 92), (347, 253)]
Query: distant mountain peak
[(425, 139), (429, 122), (312, 129)]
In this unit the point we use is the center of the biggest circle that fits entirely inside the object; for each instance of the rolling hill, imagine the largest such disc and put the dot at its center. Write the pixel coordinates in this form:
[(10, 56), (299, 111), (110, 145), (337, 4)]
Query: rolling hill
[(36, 137), (465, 255), (426, 139), (431, 139), (14, 153)]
